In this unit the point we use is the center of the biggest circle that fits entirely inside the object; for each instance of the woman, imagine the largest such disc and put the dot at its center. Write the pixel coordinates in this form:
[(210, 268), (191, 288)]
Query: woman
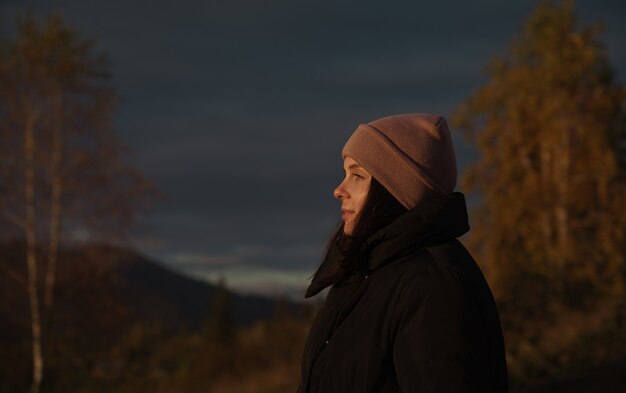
[(408, 309)]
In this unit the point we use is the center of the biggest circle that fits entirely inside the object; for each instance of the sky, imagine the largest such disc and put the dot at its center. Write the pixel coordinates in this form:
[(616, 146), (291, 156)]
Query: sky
[(237, 110)]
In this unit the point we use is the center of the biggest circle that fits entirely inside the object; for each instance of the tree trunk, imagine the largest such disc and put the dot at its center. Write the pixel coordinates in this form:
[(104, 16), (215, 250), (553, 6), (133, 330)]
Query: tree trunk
[(31, 253), (545, 190), (55, 203), (562, 179)]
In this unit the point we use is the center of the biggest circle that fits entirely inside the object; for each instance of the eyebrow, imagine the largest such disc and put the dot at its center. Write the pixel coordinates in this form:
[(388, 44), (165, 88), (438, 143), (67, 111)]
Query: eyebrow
[(355, 167)]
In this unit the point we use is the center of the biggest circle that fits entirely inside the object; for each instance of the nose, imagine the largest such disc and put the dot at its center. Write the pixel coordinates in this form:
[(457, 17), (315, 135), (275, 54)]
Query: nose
[(340, 192)]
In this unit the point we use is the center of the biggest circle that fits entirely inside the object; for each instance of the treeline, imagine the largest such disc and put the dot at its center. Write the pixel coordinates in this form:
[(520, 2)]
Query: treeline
[(261, 358)]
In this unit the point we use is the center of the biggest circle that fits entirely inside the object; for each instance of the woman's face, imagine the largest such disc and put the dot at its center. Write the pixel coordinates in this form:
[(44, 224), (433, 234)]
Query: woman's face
[(352, 192)]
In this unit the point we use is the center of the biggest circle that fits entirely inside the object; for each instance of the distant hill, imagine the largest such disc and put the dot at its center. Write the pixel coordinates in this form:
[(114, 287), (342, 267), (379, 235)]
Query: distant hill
[(110, 305), (104, 290)]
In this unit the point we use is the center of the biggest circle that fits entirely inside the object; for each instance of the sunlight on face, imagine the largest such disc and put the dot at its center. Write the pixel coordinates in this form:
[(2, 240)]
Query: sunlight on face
[(352, 192)]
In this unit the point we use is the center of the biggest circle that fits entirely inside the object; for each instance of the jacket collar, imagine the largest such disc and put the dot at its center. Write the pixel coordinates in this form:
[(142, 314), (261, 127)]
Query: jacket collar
[(434, 221)]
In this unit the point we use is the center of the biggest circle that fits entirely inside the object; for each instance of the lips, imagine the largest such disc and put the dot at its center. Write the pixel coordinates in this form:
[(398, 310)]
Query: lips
[(346, 214)]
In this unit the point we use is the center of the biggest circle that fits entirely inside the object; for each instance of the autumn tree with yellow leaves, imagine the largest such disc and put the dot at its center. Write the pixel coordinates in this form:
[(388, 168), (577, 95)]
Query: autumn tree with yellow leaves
[(550, 225)]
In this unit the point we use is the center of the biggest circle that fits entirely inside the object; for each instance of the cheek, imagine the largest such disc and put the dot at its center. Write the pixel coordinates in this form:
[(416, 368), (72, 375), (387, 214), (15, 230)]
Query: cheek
[(360, 200)]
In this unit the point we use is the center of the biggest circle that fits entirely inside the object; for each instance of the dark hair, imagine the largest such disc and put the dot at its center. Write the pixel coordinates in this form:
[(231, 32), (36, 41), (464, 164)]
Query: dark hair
[(379, 210)]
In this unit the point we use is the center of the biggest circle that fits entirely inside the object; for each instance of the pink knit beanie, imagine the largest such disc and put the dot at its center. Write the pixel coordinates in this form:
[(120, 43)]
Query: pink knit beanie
[(410, 155)]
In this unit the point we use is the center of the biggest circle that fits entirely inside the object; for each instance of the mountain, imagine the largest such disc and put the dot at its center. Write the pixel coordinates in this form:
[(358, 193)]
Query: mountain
[(103, 290)]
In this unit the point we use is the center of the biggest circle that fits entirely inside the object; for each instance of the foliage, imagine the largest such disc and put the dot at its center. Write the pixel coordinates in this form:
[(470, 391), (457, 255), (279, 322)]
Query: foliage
[(550, 228), (51, 72), (261, 358)]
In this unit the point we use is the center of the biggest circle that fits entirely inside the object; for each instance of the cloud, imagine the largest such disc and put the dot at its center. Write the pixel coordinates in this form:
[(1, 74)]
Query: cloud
[(238, 110), (254, 279)]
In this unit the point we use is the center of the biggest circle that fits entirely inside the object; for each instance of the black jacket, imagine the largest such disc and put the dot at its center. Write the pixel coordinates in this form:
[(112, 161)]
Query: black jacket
[(419, 318)]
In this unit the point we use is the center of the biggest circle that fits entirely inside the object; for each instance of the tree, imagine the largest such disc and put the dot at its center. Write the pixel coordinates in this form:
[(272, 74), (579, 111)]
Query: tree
[(551, 221), (219, 326), (63, 171)]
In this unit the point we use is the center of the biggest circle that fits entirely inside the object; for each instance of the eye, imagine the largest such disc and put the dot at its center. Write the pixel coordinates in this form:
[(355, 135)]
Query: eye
[(357, 176)]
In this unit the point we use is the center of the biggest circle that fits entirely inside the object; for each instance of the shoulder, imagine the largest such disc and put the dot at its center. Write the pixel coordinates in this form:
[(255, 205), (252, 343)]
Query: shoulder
[(445, 274), (447, 261)]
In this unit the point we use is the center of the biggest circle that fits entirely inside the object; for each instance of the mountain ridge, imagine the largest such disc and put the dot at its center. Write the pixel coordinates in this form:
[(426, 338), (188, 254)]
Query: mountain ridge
[(103, 285)]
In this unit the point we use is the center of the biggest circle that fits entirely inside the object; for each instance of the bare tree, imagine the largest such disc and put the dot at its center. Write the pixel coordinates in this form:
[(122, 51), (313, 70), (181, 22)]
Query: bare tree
[(56, 104)]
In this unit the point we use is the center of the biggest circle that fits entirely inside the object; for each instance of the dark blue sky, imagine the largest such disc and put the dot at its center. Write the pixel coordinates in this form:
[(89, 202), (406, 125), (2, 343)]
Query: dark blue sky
[(237, 110)]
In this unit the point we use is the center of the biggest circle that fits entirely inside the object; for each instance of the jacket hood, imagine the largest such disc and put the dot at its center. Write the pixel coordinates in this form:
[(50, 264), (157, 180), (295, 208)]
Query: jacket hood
[(434, 221)]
